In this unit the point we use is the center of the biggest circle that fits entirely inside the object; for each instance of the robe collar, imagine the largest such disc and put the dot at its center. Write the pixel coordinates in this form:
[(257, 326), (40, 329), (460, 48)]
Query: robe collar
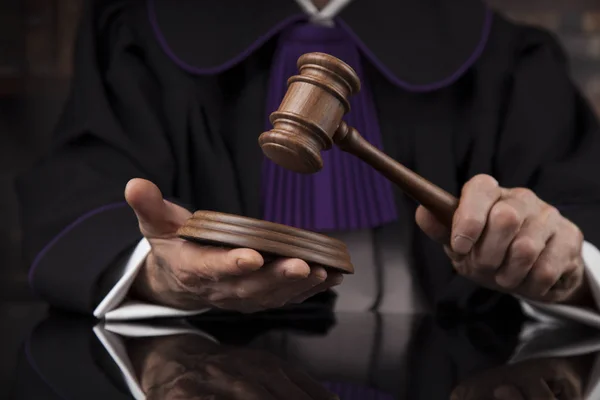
[(417, 45)]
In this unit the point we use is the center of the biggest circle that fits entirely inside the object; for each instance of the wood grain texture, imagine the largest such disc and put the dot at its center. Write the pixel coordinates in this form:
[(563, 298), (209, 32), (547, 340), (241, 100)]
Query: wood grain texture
[(309, 120), (268, 238)]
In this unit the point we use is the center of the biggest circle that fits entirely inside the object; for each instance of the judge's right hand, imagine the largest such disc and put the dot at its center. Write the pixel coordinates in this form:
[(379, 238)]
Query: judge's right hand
[(185, 275)]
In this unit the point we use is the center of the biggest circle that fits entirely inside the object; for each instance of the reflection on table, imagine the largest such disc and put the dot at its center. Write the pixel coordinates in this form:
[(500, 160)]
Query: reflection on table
[(349, 356)]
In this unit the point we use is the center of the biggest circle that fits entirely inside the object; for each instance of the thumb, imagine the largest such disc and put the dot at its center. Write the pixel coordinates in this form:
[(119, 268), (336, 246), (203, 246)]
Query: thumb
[(157, 217), (431, 225)]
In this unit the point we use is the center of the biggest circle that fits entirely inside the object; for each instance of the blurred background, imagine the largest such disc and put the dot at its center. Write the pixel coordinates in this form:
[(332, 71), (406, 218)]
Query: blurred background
[(36, 40)]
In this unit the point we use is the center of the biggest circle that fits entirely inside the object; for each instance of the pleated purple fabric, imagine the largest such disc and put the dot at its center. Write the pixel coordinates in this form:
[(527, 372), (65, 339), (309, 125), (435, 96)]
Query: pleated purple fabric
[(346, 194)]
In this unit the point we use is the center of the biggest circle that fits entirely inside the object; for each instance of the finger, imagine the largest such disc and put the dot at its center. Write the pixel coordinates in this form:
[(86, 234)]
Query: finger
[(333, 279), (318, 277), (256, 287), (430, 225), (555, 260), (526, 248), (508, 392), (459, 261), (157, 217), (477, 198), (504, 222), (214, 263)]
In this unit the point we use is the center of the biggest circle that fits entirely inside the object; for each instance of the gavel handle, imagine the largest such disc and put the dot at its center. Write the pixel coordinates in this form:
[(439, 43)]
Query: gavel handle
[(441, 203)]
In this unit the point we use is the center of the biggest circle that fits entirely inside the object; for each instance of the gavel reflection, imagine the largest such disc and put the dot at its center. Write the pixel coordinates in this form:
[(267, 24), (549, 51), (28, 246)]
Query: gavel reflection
[(309, 120)]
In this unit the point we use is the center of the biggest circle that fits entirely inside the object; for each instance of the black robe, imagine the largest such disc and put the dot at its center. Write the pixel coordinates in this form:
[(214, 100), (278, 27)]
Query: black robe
[(470, 94)]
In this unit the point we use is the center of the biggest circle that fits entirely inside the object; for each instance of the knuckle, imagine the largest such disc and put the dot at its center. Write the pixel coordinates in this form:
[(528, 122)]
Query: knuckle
[(504, 216), (551, 213), (483, 181), (575, 233), (526, 250), (320, 279), (571, 238), (545, 274), (319, 275), (217, 297), (470, 225), (187, 278), (507, 281), (242, 292), (523, 194)]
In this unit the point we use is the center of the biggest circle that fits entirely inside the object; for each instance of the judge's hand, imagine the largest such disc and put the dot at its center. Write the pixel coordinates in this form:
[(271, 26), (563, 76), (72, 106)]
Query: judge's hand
[(510, 240), (188, 276)]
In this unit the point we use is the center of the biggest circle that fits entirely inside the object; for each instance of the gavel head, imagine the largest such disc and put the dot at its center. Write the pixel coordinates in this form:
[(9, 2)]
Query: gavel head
[(310, 113)]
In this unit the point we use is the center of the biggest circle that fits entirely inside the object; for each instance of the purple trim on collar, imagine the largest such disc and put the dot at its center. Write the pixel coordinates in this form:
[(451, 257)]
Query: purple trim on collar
[(428, 87), (227, 65), (66, 230)]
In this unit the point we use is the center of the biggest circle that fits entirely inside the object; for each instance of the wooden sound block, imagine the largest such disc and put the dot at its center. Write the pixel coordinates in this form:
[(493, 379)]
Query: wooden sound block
[(270, 239)]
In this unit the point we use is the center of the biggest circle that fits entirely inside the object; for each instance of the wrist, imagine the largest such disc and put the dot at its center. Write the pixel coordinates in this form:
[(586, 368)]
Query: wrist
[(154, 285), (143, 287)]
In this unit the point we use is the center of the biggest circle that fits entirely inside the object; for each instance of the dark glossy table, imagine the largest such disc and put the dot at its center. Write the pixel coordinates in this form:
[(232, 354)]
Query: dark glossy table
[(47, 354)]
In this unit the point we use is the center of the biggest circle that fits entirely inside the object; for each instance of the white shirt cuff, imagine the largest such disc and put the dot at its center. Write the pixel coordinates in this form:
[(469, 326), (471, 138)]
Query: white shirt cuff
[(115, 306), (560, 313)]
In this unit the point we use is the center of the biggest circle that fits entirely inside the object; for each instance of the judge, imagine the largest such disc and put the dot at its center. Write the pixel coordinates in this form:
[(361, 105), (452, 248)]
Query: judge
[(168, 100)]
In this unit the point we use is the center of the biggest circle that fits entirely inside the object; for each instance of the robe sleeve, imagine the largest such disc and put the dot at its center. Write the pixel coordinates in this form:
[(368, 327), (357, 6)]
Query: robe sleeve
[(74, 217), (550, 138), (550, 143)]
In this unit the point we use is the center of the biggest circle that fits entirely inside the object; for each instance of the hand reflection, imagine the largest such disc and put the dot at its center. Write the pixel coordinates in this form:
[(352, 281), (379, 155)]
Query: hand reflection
[(541, 379), (189, 366)]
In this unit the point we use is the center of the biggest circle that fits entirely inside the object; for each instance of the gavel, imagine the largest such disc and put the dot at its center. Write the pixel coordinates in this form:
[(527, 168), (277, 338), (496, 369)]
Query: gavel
[(308, 121)]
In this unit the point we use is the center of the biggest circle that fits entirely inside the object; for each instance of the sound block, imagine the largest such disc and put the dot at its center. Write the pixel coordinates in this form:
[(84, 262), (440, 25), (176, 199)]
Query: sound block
[(270, 239)]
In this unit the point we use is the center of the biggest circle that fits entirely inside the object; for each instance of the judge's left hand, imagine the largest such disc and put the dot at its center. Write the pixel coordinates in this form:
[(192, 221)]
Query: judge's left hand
[(512, 241)]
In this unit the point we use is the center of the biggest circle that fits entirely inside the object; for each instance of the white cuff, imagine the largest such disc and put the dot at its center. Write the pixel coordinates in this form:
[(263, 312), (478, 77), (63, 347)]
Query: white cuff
[(560, 313), (115, 306)]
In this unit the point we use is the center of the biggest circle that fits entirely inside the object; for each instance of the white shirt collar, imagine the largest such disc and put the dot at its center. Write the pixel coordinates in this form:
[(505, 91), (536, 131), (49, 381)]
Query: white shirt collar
[(326, 15)]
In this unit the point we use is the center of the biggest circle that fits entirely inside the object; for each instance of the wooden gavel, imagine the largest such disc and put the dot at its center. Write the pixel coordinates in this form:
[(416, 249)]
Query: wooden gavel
[(309, 120)]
